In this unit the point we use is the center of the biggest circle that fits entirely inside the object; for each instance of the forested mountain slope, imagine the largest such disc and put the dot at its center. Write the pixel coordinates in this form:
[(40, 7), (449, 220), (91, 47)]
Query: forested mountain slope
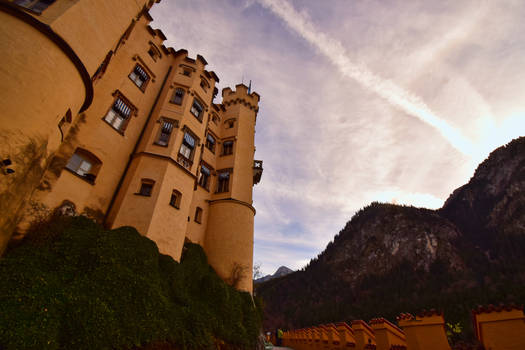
[(390, 259)]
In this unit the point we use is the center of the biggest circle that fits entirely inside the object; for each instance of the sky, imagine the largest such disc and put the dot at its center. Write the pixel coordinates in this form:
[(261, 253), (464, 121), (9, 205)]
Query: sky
[(367, 100)]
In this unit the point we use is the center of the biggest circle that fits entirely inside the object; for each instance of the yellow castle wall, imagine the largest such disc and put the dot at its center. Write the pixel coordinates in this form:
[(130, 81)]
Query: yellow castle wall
[(229, 241), (45, 81), (101, 139), (39, 84)]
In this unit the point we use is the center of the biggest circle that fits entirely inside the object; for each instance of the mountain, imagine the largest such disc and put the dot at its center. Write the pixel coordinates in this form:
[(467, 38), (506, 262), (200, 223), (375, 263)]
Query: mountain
[(390, 259), (281, 271)]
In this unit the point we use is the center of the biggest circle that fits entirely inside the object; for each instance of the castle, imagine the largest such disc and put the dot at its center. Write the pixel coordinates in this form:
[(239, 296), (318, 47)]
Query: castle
[(99, 116)]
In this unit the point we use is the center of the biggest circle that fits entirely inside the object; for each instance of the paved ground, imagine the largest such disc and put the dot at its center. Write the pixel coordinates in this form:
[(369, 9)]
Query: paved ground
[(281, 348)]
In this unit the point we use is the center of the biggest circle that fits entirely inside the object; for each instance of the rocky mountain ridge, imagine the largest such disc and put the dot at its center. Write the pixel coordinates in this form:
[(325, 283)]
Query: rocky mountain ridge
[(390, 259), (281, 271)]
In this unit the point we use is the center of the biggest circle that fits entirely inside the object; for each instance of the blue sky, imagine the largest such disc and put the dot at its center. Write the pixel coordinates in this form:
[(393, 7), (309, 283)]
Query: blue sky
[(361, 101)]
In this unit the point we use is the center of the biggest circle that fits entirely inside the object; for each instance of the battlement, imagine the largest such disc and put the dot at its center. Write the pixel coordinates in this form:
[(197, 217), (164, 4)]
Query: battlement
[(381, 323), (499, 327), (240, 95)]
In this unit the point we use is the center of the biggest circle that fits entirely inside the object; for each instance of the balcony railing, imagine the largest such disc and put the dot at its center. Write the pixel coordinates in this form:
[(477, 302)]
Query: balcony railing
[(185, 162), (257, 171)]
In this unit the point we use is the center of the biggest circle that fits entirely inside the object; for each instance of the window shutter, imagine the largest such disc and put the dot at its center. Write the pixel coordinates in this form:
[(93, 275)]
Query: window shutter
[(140, 72), (205, 170), (121, 108), (189, 140)]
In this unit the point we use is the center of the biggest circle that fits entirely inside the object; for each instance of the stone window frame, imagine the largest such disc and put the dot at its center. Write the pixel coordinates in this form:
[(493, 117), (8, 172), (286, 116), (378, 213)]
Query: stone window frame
[(84, 158), (175, 199), (133, 112), (146, 187), (198, 215)]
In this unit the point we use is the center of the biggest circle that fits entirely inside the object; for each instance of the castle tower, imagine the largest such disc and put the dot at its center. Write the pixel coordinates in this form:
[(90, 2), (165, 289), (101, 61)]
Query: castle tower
[(229, 235), (160, 195), (50, 52)]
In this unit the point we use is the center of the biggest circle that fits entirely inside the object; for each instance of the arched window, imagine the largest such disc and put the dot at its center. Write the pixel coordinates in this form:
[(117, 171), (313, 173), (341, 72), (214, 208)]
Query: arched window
[(84, 164)]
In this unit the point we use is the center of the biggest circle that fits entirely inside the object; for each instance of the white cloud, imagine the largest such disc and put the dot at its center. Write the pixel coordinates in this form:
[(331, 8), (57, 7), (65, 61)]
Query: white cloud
[(330, 146), (397, 96)]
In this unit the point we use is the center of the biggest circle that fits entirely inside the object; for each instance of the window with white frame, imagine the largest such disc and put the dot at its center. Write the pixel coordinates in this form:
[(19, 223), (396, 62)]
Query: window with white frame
[(84, 164), (223, 181), (119, 114), (197, 109), (139, 77), (166, 129), (177, 97), (204, 177)]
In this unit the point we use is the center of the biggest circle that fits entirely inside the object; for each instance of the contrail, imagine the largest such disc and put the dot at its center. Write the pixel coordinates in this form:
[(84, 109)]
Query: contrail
[(336, 53)]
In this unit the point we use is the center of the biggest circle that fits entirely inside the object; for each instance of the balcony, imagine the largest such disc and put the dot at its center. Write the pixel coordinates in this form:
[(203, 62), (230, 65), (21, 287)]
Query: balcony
[(185, 162), (257, 171)]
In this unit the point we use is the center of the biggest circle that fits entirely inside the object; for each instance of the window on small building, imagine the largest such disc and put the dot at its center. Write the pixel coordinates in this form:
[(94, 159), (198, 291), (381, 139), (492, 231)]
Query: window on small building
[(166, 128), (197, 109), (198, 215), (84, 164), (175, 199), (34, 5), (223, 182), (177, 97), (146, 187), (139, 77), (119, 114), (204, 177), (227, 148), (210, 143), (187, 150)]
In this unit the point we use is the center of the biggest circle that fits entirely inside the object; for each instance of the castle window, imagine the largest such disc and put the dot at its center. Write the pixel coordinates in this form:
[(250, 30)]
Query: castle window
[(204, 85), (187, 150), (177, 97), (146, 187), (204, 177), (139, 77), (229, 123), (223, 183), (119, 114), (84, 164), (215, 119), (175, 199), (34, 5), (186, 72), (227, 148), (154, 52), (197, 109), (198, 215), (210, 143), (166, 128)]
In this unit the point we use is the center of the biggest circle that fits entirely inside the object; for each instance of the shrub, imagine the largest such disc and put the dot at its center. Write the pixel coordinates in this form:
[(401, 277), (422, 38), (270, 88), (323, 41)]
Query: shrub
[(83, 287)]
